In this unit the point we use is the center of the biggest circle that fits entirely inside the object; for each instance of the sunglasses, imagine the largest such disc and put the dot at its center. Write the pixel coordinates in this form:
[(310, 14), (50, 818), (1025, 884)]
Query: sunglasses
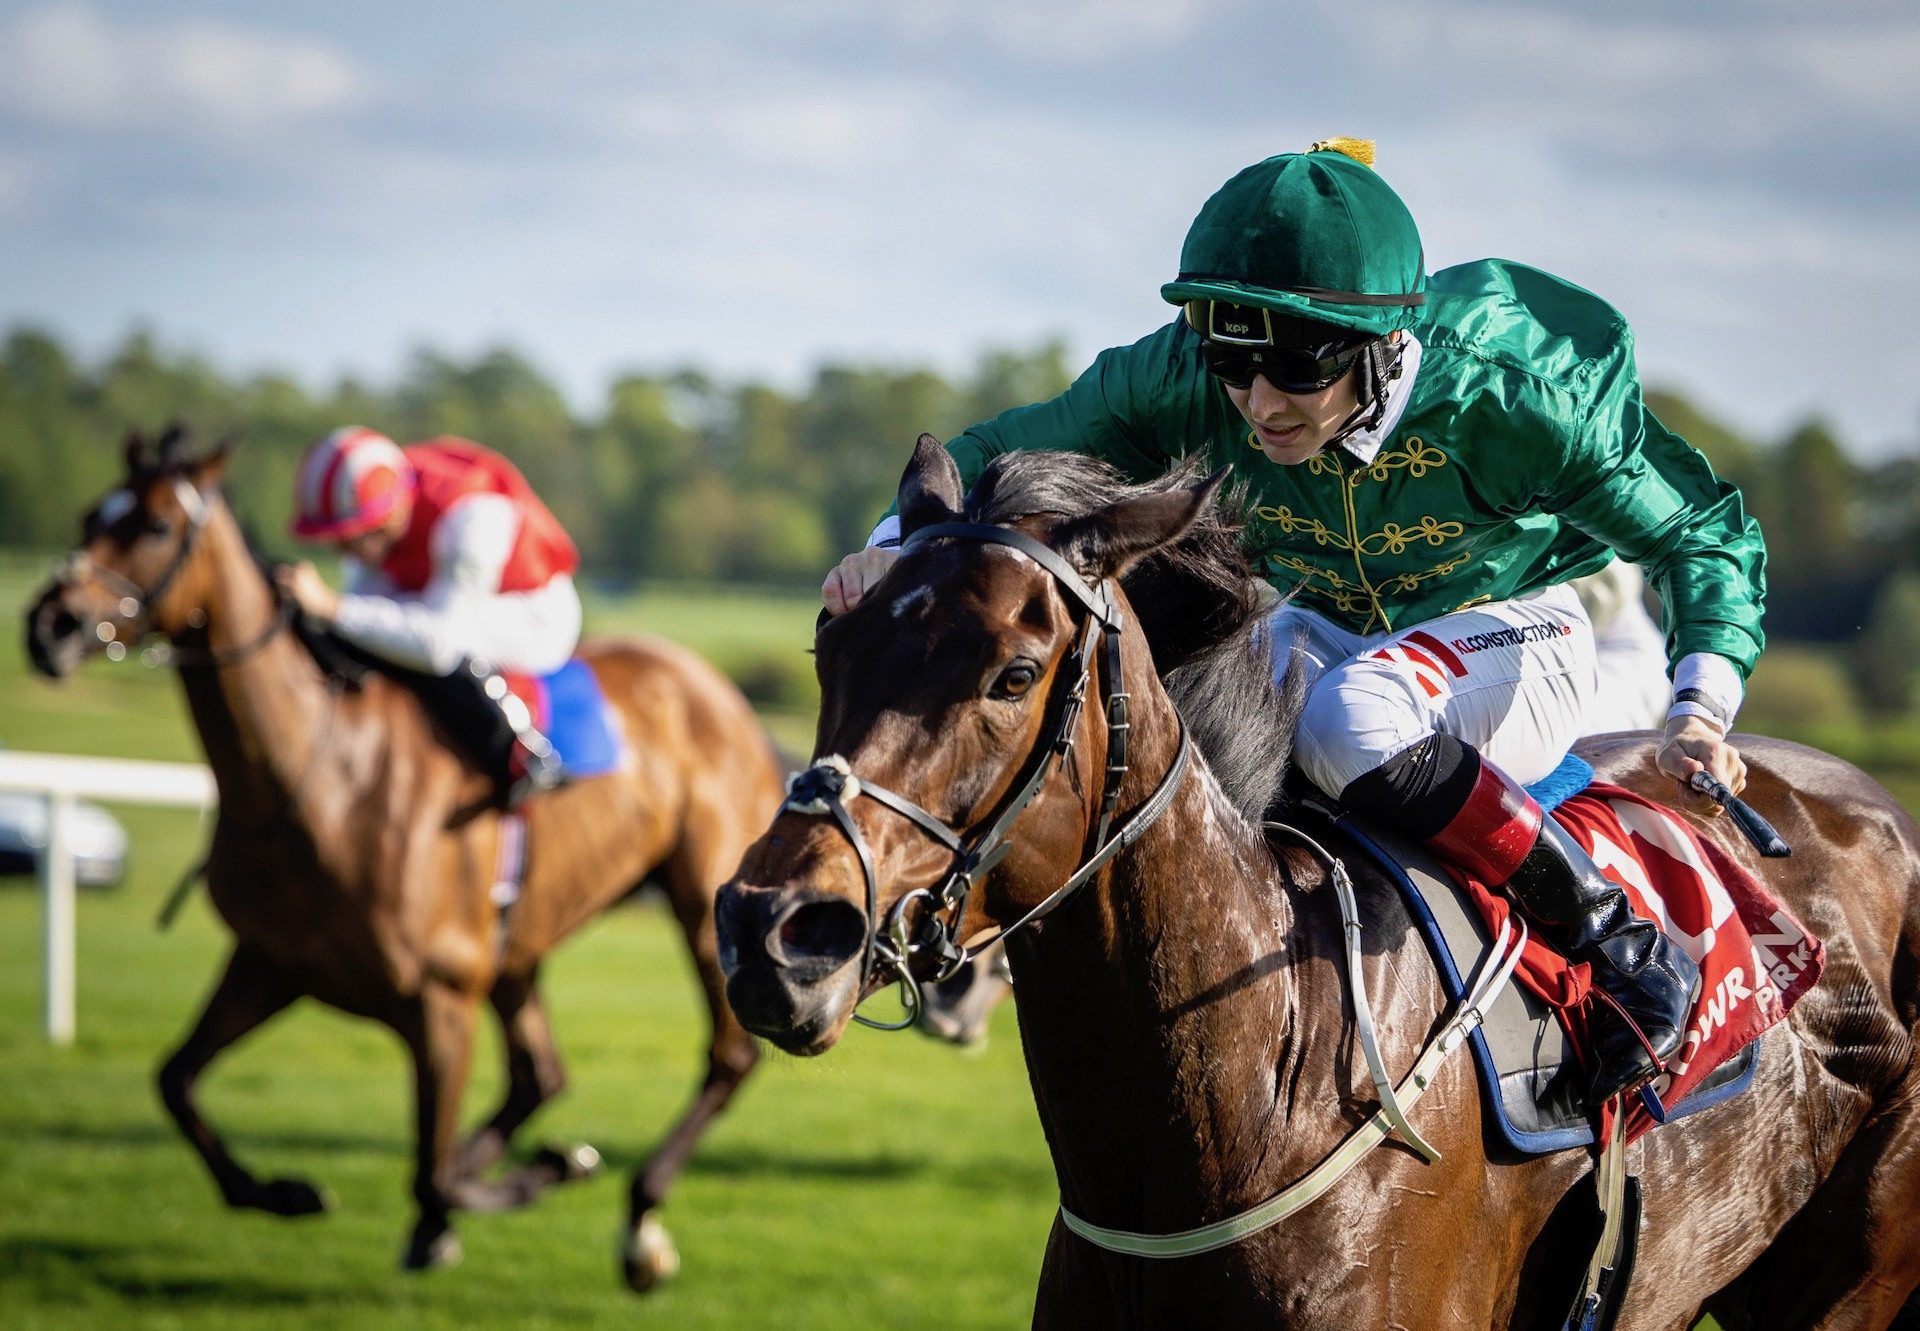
[(1288, 369)]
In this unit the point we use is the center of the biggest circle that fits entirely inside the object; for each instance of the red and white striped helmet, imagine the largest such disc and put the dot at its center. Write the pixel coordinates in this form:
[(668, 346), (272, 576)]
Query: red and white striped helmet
[(350, 482)]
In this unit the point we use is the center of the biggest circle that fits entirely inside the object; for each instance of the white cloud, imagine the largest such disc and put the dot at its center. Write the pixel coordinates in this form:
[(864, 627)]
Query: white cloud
[(1071, 31), (1871, 70), (915, 181), (65, 64)]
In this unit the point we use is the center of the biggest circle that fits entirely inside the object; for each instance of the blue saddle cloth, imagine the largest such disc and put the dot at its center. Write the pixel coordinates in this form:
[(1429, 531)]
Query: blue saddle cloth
[(1528, 1071), (578, 720)]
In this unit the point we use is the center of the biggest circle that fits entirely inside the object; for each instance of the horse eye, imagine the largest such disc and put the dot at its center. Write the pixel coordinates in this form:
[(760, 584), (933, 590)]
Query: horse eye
[(159, 527), (1016, 679)]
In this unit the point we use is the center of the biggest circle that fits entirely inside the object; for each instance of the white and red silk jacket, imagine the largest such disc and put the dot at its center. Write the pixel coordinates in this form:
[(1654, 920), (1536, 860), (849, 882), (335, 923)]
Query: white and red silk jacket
[(477, 532)]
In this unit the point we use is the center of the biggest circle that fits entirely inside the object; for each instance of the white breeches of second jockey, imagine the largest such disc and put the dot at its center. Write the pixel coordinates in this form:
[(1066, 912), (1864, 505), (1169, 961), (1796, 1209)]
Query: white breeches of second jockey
[(1634, 688), (1513, 679)]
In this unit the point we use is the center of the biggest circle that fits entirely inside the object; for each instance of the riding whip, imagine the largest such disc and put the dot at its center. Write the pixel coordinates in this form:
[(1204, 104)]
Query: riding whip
[(1757, 829)]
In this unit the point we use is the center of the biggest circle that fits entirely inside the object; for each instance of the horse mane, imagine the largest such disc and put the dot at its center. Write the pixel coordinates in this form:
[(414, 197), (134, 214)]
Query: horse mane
[(341, 662), (1200, 606)]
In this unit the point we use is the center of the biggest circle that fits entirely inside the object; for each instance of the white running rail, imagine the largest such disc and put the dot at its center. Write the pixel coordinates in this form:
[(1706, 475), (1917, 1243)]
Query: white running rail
[(60, 779)]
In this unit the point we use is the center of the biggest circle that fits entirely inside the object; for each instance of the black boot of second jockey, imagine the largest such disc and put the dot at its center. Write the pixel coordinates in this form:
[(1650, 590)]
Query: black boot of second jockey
[(487, 722), (1478, 819)]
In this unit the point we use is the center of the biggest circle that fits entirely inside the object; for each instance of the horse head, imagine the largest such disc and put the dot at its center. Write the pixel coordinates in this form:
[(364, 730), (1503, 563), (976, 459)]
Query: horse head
[(139, 565), (968, 698)]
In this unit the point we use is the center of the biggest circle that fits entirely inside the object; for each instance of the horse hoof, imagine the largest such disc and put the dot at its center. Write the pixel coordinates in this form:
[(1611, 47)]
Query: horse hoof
[(649, 1256), (570, 1165), (434, 1252), (290, 1197)]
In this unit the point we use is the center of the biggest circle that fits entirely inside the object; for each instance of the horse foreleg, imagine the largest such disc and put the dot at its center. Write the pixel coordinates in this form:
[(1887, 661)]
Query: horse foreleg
[(534, 1076), (250, 992), (648, 1256), (438, 1030)]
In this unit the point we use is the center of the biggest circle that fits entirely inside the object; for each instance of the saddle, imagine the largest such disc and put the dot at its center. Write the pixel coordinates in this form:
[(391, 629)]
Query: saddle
[(1528, 1064), (568, 706)]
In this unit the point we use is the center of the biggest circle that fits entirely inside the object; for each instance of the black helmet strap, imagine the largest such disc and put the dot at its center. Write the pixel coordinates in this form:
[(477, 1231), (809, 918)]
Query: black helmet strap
[(1374, 374)]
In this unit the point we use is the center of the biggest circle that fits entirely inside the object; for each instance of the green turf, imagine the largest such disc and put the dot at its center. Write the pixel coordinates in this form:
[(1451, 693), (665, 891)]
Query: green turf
[(898, 1183)]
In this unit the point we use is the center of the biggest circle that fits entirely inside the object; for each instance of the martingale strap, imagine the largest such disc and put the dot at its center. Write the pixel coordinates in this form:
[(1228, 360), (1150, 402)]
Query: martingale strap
[(1494, 971)]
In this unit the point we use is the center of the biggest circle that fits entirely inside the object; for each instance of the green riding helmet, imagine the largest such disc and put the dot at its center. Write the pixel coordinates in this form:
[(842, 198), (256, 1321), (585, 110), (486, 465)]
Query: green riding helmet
[(1317, 235)]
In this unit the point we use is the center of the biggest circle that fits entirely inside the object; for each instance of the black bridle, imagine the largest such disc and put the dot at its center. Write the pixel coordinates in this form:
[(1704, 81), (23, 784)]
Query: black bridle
[(829, 785), (137, 602)]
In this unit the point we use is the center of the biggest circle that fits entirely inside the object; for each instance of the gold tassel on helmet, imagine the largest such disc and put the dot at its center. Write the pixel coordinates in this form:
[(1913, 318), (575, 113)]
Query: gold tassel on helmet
[(1360, 150)]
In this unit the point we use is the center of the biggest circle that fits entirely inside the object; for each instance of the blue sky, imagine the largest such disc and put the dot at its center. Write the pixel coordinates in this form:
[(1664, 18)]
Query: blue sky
[(758, 186)]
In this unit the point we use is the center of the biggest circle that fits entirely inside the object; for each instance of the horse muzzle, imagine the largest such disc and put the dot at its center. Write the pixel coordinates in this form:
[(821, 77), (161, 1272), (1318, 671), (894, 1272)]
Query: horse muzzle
[(58, 639), (792, 962)]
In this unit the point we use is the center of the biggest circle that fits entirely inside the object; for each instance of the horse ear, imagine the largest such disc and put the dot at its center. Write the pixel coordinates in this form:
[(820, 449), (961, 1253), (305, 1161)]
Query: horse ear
[(136, 452), (210, 470), (1108, 542), (929, 487), (167, 451)]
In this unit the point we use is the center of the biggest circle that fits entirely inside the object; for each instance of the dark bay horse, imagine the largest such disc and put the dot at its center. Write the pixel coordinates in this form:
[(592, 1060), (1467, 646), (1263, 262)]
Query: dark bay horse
[(353, 857), (1186, 1030)]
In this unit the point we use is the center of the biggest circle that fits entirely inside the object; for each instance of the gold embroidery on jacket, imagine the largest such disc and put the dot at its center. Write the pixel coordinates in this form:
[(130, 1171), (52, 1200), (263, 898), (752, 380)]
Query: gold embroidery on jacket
[(1355, 598), (1416, 457)]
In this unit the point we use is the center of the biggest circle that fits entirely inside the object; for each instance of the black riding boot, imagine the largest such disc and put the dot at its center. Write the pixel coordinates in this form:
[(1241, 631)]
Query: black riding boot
[(1476, 817), (1589, 919), (489, 724)]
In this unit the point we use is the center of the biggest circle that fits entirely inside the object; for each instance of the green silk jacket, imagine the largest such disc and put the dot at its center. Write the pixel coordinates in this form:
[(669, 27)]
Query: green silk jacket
[(1523, 457)]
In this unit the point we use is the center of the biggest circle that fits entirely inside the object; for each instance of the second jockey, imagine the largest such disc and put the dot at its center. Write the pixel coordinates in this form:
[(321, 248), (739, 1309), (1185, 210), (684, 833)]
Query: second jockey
[(456, 571), (1430, 462)]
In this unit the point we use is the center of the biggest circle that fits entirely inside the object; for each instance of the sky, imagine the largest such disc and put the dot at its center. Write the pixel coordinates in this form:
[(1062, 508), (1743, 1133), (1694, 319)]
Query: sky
[(320, 188)]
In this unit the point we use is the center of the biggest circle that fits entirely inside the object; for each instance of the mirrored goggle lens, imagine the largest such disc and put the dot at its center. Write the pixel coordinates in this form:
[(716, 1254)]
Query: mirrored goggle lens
[(1290, 371)]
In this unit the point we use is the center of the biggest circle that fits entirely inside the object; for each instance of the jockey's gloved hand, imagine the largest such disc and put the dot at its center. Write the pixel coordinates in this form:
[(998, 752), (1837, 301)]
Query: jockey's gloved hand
[(853, 576), (1695, 744), (302, 584)]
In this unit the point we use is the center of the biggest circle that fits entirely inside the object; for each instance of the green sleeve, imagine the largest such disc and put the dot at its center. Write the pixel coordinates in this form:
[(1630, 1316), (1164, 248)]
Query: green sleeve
[(1632, 483), (1136, 407)]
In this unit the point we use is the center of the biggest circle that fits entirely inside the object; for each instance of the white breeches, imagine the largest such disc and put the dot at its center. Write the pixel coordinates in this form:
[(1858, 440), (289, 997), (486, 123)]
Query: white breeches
[(1514, 679)]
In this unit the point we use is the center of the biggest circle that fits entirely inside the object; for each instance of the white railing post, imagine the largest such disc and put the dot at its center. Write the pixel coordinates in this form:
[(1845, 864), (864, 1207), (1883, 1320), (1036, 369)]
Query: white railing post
[(56, 886), (60, 779)]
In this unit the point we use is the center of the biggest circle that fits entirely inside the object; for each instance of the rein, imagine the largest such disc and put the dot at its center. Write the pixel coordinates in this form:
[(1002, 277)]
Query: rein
[(829, 785), (1493, 972)]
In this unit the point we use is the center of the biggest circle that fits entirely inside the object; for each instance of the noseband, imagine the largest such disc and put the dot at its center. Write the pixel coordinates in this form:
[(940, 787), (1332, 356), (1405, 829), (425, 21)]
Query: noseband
[(137, 602), (829, 785)]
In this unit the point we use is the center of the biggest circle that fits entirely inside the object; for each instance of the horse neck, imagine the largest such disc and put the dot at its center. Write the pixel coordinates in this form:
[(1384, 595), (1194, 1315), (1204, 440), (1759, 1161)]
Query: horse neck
[(1161, 1017), (261, 704)]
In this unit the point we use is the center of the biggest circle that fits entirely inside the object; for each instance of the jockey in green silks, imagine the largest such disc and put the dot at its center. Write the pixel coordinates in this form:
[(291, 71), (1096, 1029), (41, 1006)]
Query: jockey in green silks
[(1430, 460)]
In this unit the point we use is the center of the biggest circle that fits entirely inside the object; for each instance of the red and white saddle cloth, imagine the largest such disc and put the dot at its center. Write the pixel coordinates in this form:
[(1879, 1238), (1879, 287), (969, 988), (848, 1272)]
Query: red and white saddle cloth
[(1756, 959)]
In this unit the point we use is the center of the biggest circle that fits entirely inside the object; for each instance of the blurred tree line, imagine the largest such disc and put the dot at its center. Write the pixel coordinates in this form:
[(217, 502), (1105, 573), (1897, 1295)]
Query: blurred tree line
[(682, 477), (687, 477)]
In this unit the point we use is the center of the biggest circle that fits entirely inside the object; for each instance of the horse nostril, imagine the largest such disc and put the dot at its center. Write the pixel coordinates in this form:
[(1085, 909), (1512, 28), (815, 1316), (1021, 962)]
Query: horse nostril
[(830, 931)]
